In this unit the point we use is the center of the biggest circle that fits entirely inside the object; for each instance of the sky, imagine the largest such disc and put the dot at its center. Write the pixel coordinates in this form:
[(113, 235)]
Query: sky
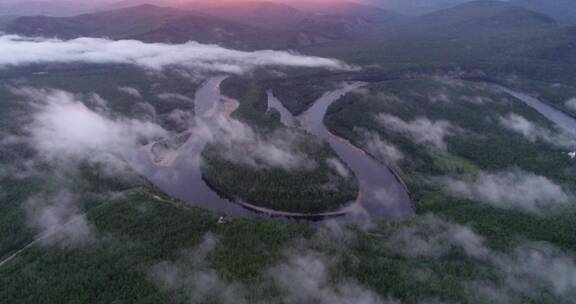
[(372, 2)]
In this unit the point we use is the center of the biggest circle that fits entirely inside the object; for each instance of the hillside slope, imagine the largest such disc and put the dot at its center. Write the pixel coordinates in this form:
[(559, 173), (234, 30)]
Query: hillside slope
[(561, 10), (148, 23), (490, 35)]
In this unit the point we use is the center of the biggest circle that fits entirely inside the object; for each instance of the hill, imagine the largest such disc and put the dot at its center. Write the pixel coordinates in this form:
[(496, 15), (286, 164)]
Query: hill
[(306, 23), (561, 10), (249, 25), (52, 8), (490, 35), (150, 24), (419, 7), (266, 14), (346, 8)]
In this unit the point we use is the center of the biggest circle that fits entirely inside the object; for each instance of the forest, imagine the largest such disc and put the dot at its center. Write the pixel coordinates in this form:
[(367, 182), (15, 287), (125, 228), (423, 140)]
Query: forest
[(479, 144)]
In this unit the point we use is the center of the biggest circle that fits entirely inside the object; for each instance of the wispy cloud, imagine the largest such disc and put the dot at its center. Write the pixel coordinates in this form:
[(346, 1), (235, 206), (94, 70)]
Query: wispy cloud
[(175, 97), (62, 127), (431, 237), (338, 167), (422, 130), (67, 131), (571, 104), (131, 91), (529, 272), (306, 278), (17, 50), (534, 132), (536, 271), (57, 219), (512, 190), (191, 279), (244, 145), (380, 148)]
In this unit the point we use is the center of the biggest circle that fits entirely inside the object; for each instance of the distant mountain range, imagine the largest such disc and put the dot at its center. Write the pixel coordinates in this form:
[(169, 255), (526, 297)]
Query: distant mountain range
[(417, 7), (475, 30), (562, 10), (148, 23), (53, 8), (279, 12), (485, 35), (254, 25)]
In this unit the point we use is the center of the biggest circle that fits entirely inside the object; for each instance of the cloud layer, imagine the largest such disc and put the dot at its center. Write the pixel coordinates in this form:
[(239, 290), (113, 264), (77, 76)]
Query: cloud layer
[(62, 127), (58, 220), (246, 146), (512, 190), (431, 237), (571, 103), (535, 272), (534, 132), (422, 130), (307, 278), (17, 50), (380, 148), (67, 132), (192, 280)]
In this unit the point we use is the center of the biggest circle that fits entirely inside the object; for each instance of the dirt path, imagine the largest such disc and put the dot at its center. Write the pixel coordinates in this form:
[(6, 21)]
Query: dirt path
[(15, 254)]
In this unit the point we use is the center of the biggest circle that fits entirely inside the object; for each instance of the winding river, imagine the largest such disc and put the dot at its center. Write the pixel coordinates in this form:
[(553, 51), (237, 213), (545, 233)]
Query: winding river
[(564, 121), (181, 177), (382, 194), (178, 174)]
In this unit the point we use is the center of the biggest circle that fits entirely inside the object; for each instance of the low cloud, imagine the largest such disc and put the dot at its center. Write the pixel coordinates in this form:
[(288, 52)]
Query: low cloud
[(536, 271), (130, 91), (421, 130), (529, 272), (247, 147), (440, 96), (530, 263), (385, 97), (303, 276), (307, 278), (68, 132), (534, 132), (339, 167), (178, 120), (63, 128), (431, 237), (237, 142), (512, 190), (571, 104), (57, 219), (190, 279), (17, 50), (175, 97), (379, 148), (477, 99)]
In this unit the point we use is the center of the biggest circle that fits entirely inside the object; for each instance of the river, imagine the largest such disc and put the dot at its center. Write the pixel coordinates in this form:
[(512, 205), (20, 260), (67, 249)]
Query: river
[(182, 178), (564, 121), (381, 194)]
